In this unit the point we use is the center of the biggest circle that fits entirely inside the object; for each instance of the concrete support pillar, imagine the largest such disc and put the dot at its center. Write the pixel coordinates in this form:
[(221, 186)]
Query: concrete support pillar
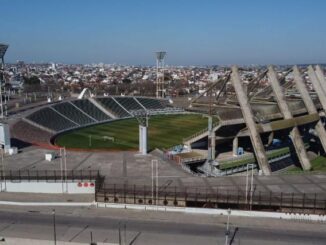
[(285, 110), (251, 124), (270, 138), (321, 77), (143, 139), (235, 146), (211, 140), (311, 108), (317, 86)]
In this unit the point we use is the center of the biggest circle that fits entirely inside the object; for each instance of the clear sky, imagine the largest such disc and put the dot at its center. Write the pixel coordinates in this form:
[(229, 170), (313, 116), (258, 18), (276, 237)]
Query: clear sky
[(193, 32)]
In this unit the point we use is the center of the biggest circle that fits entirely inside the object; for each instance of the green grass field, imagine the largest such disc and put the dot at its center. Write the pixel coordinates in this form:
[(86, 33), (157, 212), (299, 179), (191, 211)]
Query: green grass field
[(318, 164), (164, 131)]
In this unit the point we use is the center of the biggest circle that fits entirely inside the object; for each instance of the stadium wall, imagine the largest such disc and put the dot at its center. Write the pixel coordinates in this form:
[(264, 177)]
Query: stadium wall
[(48, 187)]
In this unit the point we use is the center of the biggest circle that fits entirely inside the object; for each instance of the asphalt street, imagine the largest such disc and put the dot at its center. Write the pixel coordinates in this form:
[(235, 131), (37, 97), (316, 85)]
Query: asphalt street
[(142, 229)]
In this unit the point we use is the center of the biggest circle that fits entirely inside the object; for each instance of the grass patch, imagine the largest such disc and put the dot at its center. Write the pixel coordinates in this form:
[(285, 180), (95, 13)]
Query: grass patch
[(293, 169), (319, 163), (164, 131), (237, 163), (246, 160)]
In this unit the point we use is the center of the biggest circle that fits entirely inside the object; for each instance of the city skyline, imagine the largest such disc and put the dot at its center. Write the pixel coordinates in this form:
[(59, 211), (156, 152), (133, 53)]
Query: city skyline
[(192, 32)]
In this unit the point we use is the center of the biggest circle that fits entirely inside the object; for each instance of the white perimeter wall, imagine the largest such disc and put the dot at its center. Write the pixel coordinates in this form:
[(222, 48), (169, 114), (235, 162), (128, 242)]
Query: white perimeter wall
[(49, 187)]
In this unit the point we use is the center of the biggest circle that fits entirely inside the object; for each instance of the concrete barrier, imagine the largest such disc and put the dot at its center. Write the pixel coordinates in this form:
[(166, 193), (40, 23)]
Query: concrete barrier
[(209, 211)]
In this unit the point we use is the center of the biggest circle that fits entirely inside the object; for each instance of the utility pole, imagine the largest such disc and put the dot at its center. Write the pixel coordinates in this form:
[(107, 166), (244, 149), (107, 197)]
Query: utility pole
[(157, 201), (3, 170), (54, 228), (66, 172), (155, 176), (119, 234), (251, 183), (63, 168), (227, 232)]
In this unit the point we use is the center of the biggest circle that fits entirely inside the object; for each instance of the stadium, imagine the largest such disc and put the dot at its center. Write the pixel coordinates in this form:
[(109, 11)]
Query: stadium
[(102, 133), (110, 123), (196, 151)]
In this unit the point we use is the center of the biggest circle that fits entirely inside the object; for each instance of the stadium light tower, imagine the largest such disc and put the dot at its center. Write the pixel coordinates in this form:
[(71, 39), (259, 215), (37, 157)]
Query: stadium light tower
[(160, 92), (3, 49)]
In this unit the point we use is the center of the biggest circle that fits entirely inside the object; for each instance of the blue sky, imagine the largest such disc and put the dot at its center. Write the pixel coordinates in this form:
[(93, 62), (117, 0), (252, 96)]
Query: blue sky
[(192, 32)]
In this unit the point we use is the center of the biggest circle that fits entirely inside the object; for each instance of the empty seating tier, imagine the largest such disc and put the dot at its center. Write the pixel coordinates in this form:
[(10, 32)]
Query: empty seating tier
[(129, 103), (89, 108), (26, 132), (151, 103), (73, 113), (48, 118), (114, 107)]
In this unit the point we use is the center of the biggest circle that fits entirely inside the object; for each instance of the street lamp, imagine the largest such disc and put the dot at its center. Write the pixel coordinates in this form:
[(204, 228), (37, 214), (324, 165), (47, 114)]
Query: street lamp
[(3, 179), (155, 175), (227, 232), (63, 167), (54, 229), (251, 166)]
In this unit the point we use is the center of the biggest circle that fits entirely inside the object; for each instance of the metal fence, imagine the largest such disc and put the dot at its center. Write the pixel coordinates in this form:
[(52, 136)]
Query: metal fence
[(50, 175), (217, 198)]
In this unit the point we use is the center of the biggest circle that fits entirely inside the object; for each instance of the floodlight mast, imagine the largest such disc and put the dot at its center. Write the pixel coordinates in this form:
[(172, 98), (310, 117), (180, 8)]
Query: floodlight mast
[(3, 49), (160, 92)]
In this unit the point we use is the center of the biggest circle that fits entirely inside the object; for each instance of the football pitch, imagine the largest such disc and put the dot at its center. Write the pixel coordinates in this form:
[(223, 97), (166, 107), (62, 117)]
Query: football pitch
[(164, 131)]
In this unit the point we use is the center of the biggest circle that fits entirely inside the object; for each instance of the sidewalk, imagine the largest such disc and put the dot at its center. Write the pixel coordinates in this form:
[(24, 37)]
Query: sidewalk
[(19, 241)]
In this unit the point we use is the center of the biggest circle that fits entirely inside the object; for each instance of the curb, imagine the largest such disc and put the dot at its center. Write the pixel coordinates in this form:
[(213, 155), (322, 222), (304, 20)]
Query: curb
[(207, 211), (203, 211), (67, 204)]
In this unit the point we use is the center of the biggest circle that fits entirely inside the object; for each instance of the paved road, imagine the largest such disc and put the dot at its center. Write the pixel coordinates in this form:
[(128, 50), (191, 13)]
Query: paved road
[(152, 228)]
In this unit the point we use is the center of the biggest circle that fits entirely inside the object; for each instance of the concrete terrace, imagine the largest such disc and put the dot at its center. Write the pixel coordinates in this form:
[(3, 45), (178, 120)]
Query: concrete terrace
[(134, 169)]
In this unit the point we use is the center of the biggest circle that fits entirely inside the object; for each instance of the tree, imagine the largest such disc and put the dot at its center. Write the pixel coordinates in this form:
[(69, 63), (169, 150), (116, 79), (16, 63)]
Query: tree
[(33, 80), (126, 81), (32, 84)]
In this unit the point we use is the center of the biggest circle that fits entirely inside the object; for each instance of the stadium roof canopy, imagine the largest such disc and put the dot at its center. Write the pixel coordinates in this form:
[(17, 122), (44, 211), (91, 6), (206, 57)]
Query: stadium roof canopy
[(3, 49)]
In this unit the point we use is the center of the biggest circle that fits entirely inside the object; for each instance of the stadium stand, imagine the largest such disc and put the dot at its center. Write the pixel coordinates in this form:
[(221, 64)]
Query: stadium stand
[(114, 107), (48, 118), (281, 164), (166, 103), (129, 103), (89, 108), (71, 112), (28, 133), (151, 104)]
